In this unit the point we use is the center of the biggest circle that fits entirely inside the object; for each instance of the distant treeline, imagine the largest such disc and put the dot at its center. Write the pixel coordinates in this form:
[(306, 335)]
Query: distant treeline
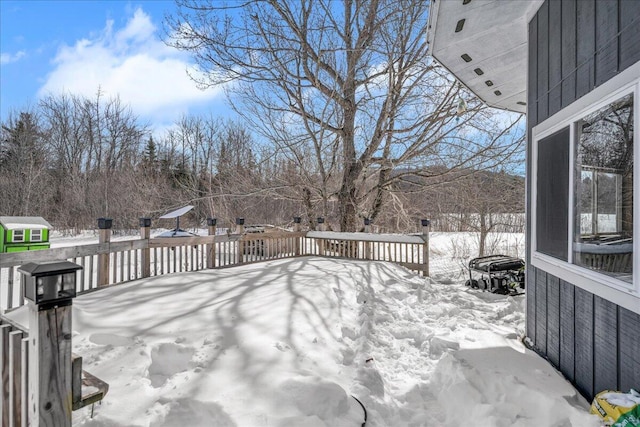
[(72, 160)]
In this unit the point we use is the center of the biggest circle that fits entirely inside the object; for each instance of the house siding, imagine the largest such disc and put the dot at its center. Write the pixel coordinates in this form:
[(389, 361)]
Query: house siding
[(575, 46)]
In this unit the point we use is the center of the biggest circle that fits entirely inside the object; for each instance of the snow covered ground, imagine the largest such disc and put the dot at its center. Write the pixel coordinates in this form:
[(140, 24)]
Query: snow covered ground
[(289, 342)]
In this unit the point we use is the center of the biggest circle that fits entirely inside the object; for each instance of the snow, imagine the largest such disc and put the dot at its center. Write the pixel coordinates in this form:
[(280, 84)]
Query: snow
[(24, 222), (603, 249), (625, 400), (176, 233), (25, 225), (367, 237), (289, 342)]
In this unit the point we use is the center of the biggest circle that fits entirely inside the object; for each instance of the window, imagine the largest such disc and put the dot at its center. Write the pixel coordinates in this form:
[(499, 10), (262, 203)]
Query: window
[(18, 235), (553, 195), (603, 232), (36, 235), (583, 183)]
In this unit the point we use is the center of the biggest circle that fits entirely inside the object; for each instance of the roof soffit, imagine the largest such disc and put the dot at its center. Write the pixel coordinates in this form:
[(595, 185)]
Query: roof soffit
[(494, 35)]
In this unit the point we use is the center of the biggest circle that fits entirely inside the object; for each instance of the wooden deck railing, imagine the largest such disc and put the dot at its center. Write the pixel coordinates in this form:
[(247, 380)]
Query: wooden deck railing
[(109, 263)]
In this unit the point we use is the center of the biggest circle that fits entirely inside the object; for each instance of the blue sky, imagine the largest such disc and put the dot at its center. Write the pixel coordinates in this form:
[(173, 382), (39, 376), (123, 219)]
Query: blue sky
[(49, 47)]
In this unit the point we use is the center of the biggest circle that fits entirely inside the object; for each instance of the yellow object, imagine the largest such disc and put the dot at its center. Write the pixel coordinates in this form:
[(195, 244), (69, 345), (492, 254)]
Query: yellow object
[(611, 405)]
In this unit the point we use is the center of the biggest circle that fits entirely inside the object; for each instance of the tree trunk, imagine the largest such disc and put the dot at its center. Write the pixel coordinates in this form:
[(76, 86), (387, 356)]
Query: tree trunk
[(347, 202), (484, 231)]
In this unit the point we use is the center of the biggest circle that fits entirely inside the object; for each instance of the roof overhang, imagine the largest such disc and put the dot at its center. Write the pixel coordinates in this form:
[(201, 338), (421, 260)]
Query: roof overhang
[(493, 36)]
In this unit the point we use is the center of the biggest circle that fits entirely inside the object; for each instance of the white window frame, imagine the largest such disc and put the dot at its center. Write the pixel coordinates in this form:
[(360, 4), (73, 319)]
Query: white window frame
[(617, 291), (39, 234), (14, 237)]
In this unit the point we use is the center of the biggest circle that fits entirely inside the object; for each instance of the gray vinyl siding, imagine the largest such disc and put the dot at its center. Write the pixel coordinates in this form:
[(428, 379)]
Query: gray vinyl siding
[(584, 362), (605, 324), (568, 52), (553, 320), (629, 349), (575, 46), (629, 45), (567, 330), (541, 311)]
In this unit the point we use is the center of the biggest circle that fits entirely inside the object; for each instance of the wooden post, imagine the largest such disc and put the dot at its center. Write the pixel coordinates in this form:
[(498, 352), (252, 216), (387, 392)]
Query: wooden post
[(367, 245), (50, 366), (104, 226), (321, 242), (425, 248), (50, 289), (240, 231), (211, 247), (145, 234), (296, 228), (239, 225), (76, 378)]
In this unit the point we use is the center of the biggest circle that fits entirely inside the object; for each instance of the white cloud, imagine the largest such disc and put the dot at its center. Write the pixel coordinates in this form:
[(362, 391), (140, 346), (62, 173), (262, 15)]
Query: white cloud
[(8, 58), (133, 63)]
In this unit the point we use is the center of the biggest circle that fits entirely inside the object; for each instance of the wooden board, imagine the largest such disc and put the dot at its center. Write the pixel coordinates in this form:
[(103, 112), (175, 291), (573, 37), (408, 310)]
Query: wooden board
[(15, 376), (50, 366), (4, 374), (57, 254)]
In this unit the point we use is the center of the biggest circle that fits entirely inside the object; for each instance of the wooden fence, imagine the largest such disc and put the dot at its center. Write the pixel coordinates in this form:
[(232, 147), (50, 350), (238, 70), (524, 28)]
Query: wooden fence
[(109, 263)]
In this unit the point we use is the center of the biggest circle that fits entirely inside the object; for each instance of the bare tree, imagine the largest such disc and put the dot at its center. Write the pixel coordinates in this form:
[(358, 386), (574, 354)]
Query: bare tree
[(92, 145), (349, 82), (491, 201), (23, 165)]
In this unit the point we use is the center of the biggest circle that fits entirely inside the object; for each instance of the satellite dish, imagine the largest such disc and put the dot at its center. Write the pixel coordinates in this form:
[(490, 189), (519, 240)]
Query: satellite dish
[(176, 214)]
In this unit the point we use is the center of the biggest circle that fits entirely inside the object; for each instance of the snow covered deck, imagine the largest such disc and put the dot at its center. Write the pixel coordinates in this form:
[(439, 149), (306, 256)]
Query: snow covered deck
[(285, 342)]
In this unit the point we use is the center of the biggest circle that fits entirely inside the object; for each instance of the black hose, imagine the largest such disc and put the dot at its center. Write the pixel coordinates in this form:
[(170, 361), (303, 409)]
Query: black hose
[(364, 409)]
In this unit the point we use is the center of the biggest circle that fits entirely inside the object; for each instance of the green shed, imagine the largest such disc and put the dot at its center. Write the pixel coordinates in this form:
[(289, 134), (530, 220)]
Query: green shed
[(23, 233)]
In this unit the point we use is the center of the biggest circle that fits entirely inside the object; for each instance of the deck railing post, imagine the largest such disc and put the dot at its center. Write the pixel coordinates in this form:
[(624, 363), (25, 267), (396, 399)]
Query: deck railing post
[(367, 245), (145, 234), (50, 289), (104, 227), (211, 247), (321, 242), (240, 231), (425, 248), (296, 229)]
